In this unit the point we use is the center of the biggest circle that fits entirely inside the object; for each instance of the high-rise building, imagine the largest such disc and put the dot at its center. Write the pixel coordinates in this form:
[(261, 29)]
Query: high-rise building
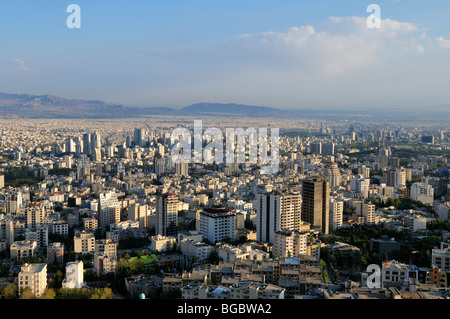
[(360, 185), (159, 165), (328, 148), (97, 154), (138, 212), (182, 169), (108, 209), (96, 141), (7, 230), (36, 215), (366, 210), (276, 212), (316, 148), (70, 145), (336, 213), (139, 137), (83, 167), (333, 175), (395, 177), (315, 203), (167, 214), (87, 144), (217, 224), (13, 203)]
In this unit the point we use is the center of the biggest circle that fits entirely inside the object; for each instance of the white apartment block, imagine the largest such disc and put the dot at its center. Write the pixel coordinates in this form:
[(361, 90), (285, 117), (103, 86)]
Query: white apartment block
[(33, 276), (7, 230), (162, 243), (192, 248), (288, 243), (422, 192), (108, 209), (74, 275), (336, 213), (276, 212), (394, 272), (217, 224)]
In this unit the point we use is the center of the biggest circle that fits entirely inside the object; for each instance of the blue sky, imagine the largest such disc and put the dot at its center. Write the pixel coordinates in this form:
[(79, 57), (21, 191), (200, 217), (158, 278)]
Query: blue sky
[(290, 54)]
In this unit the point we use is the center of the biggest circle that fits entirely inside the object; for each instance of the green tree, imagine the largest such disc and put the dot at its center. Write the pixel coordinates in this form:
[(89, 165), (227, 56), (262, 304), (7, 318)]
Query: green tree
[(26, 293), (49, 294), (9, 291)]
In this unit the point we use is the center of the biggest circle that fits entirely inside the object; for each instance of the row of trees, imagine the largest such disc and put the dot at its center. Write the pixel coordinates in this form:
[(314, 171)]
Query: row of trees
[(11, 291)]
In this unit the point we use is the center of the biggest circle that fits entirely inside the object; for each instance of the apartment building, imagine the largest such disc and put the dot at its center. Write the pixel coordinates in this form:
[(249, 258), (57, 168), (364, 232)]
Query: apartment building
[(22, 249), (84, 242), (33, 276)]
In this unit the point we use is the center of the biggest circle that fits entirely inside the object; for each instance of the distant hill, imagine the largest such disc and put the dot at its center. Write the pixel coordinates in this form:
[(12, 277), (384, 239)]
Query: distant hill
[(49, 106), (233, 109)]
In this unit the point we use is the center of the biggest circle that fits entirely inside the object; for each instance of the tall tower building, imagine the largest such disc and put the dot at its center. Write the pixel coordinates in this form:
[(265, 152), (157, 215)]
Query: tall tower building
[(87, 144), (315, 204), (333, 175), (167, 214), (159, 165), (139, 137), (36, 215), (96, 142), (276, 212), (108, 209), (336, 213), (182, 169)]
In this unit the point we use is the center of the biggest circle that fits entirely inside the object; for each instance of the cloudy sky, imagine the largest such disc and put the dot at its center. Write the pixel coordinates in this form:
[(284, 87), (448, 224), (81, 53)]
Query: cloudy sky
[(291, 54)]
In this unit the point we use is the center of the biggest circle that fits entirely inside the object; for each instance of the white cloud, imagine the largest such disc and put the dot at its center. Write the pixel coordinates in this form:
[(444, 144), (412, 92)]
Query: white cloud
[(341, 62), (21, 65)]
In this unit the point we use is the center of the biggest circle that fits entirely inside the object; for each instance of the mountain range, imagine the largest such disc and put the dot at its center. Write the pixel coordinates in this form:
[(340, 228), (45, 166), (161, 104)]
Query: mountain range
[(49, 106)]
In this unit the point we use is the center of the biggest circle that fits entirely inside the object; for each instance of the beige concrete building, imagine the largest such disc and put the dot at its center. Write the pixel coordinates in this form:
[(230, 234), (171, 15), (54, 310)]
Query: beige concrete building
[(22, 249), (33, 276), (106, 246), (55, 253), (162, 243), (84, 243), (289, 243)]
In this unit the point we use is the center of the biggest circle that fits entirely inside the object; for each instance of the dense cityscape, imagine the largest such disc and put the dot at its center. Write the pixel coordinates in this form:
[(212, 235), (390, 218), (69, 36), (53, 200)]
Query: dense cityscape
[(97, 209)]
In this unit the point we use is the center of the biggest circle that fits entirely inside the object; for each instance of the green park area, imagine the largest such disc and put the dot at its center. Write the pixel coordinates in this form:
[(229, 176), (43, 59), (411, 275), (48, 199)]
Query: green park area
[(146, 259)]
